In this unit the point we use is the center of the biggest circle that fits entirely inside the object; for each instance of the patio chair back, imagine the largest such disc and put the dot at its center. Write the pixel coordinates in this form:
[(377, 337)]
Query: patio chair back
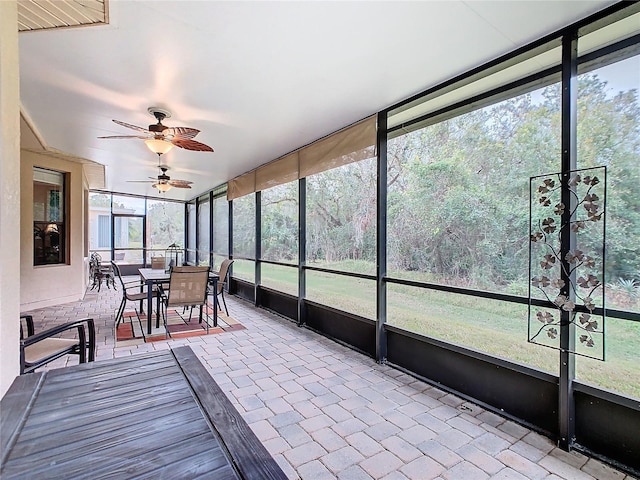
[(222, 274), (116, 271), (131, 290), (188, 286), (224, 270)]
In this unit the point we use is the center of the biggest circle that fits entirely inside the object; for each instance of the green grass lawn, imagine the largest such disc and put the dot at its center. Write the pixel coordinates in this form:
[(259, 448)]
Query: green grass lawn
[(490, 326)]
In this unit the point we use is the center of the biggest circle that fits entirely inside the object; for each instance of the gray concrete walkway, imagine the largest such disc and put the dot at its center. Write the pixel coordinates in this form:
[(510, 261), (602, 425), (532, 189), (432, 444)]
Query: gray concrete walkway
[(325, 411)]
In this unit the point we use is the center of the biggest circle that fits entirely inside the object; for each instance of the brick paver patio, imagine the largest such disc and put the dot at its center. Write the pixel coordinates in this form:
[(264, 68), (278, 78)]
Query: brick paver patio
[(325, 411)]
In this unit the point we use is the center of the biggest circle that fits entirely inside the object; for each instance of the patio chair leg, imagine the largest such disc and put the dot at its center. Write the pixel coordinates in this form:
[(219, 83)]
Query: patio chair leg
[(120, 314), (224, 303)]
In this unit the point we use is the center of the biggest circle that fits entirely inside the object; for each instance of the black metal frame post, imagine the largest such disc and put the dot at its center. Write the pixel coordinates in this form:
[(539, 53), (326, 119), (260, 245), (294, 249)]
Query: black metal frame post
[(381, 243), (258, 276), (186, 232), (211, 229), (230, 238), (302, 249), (566, 407), (197, 237)]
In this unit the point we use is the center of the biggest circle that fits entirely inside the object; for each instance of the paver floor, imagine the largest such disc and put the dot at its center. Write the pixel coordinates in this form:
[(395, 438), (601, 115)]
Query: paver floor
[(325, 411)]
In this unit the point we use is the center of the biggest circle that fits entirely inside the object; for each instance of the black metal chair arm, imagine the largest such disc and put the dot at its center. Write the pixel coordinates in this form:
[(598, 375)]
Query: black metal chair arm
[(84, 345), (78, 324), (133, 284)]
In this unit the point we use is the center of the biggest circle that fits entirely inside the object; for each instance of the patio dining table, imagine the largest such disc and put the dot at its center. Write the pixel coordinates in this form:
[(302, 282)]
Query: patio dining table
[(152, 277), (155, 415)]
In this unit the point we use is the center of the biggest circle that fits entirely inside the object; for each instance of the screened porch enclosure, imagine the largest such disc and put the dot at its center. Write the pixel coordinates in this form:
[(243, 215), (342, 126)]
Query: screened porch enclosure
[(413, 247), (407, 236), (131, 230)]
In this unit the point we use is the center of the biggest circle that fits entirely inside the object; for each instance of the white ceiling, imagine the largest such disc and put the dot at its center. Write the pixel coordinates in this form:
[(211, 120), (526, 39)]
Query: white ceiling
[(258, 78)]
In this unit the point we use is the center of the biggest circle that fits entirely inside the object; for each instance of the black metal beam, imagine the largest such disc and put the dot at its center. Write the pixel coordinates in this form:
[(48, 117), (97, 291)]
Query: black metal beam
[(197, 232), (211, 228), (344, 273), (381, 240), (258, 277), (186, 231), (302, 248), (230, 235), (566, 408)]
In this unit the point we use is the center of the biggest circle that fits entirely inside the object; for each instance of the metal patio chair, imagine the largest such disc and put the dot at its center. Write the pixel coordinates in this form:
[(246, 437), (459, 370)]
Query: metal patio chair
[(187, 288), (222, 281), (132, 291), (38, 349)]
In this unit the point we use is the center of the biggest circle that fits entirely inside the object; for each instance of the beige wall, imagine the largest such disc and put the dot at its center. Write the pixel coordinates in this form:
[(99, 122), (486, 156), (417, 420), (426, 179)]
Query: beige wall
[(46, 285), (10, 196)]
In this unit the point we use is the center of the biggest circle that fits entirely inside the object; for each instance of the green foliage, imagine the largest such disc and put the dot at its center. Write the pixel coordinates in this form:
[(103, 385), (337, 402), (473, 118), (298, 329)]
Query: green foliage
[(459, 190), (341, 213), (280, 223), (165, 224), (244, 232)]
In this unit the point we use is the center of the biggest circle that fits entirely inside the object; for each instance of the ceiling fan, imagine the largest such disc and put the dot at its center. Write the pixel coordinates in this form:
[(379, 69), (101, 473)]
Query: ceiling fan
[(163, 182), (160, 139)]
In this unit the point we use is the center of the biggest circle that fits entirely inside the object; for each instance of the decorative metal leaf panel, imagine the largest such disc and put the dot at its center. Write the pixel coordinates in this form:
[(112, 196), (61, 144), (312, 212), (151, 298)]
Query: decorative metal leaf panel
[(566, 287), (44, 14)]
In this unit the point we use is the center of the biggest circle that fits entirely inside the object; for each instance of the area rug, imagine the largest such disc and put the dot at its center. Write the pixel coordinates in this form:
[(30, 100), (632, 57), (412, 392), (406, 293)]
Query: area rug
[(133, 328)]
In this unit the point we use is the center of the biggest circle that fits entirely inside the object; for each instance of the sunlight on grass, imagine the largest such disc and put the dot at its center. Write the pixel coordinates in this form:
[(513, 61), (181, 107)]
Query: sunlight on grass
[(283, 279), (490, 326), (244, 270), (353, 295), (620, 371)]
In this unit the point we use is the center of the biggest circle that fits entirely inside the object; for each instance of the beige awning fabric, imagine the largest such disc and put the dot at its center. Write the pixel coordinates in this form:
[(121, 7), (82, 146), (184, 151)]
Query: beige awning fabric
[(352, 144), (242, 185), (283, 170)]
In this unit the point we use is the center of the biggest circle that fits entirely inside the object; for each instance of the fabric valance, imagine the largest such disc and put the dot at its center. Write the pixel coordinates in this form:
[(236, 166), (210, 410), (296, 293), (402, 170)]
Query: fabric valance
[(354, 143)]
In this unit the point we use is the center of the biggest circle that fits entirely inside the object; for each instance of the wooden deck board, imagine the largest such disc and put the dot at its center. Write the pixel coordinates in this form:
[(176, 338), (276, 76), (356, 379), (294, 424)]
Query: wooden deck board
[(100, 426), (94, 432), (139, 417), (148, 462), (50, 421), (111, 372), (15, 408), (95, 394)]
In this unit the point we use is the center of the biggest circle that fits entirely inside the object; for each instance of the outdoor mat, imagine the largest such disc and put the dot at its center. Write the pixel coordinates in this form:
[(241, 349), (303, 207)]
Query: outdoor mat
[(133, 328)]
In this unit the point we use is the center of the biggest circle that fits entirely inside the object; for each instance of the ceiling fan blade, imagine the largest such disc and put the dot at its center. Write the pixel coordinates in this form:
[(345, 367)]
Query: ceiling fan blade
[(185, 133), (133, 127), (191, 145), (142, 181), (126, 136), (177, 183)]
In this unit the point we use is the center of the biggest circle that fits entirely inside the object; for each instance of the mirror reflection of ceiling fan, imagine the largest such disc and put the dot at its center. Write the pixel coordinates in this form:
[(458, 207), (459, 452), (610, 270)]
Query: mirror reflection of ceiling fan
[(160, 139), (163, 181)]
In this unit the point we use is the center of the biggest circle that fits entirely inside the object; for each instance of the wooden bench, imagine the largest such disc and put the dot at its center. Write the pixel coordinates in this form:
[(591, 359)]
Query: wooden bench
[(157, 415)]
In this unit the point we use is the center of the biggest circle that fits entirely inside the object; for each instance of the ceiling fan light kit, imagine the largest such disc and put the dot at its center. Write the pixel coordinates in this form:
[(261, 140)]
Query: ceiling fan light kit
[(163, 181), (158, 146), (162, 187)]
